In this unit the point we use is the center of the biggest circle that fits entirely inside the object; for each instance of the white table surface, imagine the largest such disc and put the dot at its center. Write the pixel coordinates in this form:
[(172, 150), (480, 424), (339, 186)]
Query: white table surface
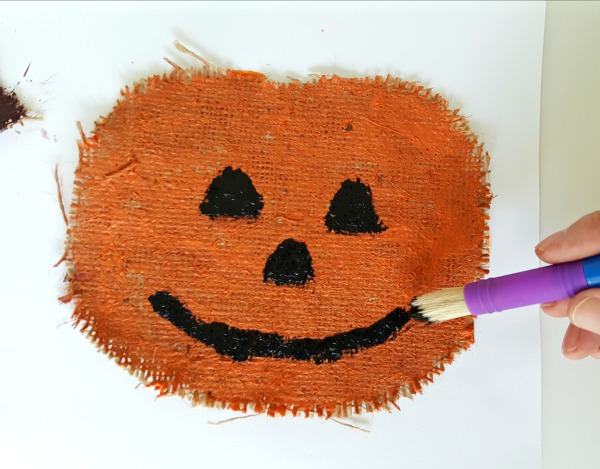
[(570, 188)]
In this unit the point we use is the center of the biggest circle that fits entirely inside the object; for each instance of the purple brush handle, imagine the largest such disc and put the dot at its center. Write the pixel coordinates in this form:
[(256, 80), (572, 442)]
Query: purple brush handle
[(532, 287)]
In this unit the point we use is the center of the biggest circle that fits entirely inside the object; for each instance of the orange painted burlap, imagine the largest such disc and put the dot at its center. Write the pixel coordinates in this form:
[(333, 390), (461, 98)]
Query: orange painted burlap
[(136, 229)]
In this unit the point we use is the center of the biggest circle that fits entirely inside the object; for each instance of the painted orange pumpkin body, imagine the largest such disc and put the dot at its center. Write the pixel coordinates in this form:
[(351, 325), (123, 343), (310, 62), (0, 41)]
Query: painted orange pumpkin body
[(156, 226)]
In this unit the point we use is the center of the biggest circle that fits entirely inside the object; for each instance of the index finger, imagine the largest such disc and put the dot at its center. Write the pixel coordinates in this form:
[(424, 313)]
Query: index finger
[(581, 239)]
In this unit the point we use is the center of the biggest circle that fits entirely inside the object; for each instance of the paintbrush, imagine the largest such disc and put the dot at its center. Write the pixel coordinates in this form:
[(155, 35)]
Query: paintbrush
[(537, 286)]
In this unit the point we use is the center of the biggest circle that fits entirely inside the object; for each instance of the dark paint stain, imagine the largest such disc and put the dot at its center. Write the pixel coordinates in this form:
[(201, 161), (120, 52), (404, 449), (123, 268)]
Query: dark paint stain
[(244, 344), (417, 314), (352, 211), (290, 264), (232, 194), (11, 110), (349, 128)]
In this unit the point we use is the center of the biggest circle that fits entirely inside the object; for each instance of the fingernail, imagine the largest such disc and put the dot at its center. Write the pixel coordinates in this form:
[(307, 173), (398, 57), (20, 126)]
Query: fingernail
[(586, 314), (549, 241), (548, 305), (571, 340)]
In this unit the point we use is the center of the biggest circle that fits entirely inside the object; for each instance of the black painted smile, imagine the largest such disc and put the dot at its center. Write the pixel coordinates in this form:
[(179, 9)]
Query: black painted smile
[(243, 344)]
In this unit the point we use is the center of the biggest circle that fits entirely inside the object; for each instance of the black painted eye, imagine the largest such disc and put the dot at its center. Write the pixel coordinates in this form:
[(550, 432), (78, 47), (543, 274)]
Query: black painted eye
[(232, 194), (352, 211)]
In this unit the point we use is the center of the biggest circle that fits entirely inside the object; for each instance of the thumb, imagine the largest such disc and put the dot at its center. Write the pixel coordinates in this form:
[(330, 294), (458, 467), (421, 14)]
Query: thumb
[(584, 310)]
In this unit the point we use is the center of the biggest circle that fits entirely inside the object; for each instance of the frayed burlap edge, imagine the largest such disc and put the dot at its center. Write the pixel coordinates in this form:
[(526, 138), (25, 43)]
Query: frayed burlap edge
[(168, 385)]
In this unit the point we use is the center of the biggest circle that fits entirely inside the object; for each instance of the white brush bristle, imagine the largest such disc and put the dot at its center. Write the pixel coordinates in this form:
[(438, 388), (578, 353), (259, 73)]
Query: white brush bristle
[(442, 305)]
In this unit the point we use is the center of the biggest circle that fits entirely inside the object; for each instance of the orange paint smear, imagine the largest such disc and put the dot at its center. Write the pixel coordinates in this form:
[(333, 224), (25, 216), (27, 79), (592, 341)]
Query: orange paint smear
[(136, 229)]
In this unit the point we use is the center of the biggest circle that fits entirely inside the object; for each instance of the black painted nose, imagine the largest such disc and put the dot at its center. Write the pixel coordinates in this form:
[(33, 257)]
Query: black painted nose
[(290, 264)]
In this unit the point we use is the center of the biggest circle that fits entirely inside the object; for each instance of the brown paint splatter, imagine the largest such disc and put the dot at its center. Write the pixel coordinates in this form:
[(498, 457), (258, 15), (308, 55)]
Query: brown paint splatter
[(11, 110), (136, 229)]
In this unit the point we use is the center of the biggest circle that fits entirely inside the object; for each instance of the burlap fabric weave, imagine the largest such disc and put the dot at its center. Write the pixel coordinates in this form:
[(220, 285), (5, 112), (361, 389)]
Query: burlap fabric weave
[(140, 242)]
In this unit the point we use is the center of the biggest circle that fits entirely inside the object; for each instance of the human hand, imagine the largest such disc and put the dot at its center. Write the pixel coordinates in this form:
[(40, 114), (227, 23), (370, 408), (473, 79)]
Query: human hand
[(581, 239)]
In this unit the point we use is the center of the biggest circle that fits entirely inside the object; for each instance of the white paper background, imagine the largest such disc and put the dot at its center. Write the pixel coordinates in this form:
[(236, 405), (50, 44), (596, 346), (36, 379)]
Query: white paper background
[(63, 404)]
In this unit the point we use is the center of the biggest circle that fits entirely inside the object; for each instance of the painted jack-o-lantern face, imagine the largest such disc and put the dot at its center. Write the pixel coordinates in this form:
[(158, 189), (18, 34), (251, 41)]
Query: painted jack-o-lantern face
[(249, 243)]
